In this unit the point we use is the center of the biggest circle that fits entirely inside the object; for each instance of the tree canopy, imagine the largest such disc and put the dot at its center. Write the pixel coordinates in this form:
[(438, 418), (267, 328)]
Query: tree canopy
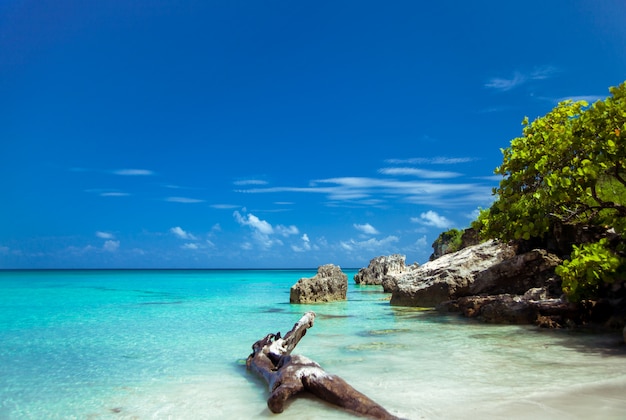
[(567, 166)]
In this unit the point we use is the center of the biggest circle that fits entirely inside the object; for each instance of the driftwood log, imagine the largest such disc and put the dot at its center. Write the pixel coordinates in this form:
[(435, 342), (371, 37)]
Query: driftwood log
[(288, 374)]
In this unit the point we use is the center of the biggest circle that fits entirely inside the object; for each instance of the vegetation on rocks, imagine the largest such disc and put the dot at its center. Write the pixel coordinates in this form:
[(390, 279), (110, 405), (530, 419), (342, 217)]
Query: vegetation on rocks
[(447, 242), (568, 167)]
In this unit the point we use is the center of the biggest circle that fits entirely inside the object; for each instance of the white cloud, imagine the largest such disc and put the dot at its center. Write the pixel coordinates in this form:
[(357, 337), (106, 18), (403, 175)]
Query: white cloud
[(179, 232), (519, 78), (431, 218), (111, 246), (254, 223), (250, 182), (114, 194), (441, 160), (185, 200), (371, 245), (287, 230), (380, 192), (543, 72), (133, 172), (366, 228), (305, 246), (105, 235), (224, 206), (189, 246), (505, 85), (262, 230), (422, 173)]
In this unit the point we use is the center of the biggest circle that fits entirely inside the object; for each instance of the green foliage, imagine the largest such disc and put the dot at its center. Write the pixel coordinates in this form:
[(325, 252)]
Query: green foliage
[(449, 241), (590, 264), (568, 166)]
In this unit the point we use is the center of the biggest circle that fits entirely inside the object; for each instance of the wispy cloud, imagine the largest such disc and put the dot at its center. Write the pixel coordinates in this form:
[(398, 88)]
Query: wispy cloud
[(287, 230), (190, 246), (305, 245), (421, 173), (359, 189), (225, 206), (107, 193), (185, 200), (182, 234), (505, 84), (111, 245), (370, 245), (431, 218), (250, 182), (543, 72), (180, 187), (366, 229), (114, 194), (440, 160), (133, 172), (105, 235)]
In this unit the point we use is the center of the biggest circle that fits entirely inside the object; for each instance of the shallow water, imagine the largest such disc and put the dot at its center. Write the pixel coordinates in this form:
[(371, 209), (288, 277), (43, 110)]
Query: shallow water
[(172, 344)]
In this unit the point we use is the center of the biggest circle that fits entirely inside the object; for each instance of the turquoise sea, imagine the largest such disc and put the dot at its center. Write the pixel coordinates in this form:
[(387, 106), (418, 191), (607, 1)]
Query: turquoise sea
[(172, 345)]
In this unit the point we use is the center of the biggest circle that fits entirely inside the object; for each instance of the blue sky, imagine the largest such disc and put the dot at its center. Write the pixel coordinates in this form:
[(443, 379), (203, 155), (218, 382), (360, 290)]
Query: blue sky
[(241, 134)]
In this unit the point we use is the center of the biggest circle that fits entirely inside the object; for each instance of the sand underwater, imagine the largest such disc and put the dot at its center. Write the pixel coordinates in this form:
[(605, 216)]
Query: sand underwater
[(172, 344)]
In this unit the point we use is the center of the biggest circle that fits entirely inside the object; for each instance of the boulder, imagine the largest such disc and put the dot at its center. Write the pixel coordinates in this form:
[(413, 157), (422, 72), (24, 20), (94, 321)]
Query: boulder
[(516, 275), (382, 267), (328, 285), (449, 276)]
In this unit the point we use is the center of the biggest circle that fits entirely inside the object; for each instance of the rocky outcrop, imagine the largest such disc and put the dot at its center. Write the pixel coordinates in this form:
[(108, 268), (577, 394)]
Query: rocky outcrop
[(518, 274), (328, 285), (534, 307), (448, 277), (381, 268)]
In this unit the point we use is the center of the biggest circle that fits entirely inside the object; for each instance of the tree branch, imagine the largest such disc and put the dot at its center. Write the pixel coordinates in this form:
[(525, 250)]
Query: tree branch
[(288, 375)]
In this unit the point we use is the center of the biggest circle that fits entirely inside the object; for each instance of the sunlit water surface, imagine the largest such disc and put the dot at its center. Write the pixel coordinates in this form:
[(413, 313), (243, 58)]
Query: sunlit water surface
[(172, 344)]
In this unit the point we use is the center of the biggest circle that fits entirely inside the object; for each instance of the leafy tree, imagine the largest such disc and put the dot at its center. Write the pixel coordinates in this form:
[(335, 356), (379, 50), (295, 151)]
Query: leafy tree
[(570, 166)]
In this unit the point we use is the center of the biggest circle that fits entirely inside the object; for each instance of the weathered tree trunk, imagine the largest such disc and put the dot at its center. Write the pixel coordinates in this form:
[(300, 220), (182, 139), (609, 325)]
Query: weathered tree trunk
[(288, 375)]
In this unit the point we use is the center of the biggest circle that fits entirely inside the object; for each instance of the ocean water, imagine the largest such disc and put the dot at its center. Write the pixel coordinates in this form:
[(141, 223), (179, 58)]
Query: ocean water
[(172, 345)]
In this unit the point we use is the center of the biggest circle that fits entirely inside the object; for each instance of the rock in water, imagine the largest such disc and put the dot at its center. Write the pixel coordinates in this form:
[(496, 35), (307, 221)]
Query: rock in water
[(381, 267), (328, 285)]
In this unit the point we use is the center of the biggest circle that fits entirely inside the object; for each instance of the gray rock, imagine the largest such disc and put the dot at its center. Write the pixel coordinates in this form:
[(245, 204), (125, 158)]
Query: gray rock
[(514, 309), (328, 285), (381, 268), (449, 276), (516, 275)]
